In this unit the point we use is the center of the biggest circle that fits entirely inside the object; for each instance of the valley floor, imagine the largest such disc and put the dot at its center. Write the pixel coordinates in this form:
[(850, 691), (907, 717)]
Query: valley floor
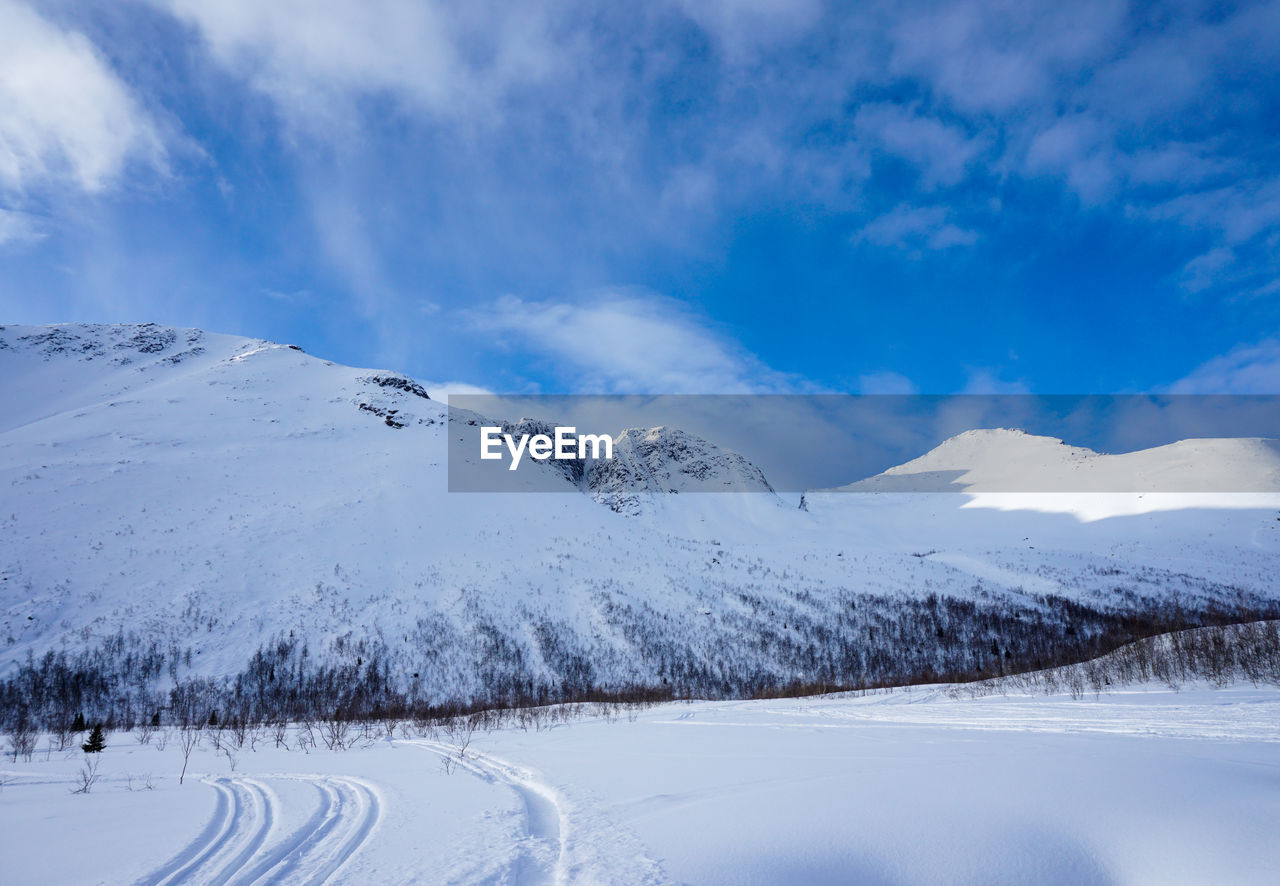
[(1142, 785)]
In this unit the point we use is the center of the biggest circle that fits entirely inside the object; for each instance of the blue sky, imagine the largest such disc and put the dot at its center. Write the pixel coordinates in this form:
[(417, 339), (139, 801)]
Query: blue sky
[(672, 197)]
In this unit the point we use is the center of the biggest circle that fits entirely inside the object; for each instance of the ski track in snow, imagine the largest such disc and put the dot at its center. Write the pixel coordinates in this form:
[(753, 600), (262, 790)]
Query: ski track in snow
[(232, 848), (541, 858)]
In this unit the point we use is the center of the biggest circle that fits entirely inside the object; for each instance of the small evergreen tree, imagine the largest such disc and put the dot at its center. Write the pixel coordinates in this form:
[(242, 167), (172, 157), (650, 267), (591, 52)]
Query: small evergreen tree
[(97, 741), (79, 724)]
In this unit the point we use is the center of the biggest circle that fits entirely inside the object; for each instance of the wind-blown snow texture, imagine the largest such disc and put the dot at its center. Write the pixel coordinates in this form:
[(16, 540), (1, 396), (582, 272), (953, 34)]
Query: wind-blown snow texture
[(210, 493)]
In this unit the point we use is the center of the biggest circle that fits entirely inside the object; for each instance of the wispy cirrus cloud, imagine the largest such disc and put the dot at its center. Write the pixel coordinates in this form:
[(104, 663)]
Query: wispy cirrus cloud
[(916, 228), (631, 343), (702, 105), (941, 151), (20, 227), (66, 118), (316, 57), (1245, 369), (886, 381)]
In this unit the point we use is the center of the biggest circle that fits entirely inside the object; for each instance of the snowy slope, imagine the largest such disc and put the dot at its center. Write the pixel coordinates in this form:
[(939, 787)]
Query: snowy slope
[(211, 492)]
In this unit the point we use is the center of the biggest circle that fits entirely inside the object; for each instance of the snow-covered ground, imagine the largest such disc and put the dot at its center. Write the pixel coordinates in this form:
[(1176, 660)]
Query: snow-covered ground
[(1142, 785)]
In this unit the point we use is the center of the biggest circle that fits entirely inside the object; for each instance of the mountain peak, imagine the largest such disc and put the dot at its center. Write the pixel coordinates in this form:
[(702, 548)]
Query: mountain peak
[(1012, 460)]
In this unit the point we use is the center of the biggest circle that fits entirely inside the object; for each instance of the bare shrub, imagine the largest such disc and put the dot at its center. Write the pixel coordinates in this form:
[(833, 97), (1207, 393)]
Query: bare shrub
[(239, 732), (335, 733), (306, 734), (188, 740), (87, 777), (138, 782), (459, 731), (22, 741)]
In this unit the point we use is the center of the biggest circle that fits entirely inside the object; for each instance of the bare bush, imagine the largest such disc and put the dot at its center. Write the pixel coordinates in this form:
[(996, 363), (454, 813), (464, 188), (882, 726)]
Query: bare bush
[(459, 731), (63, 734), (138, 782), (87, 777), (239, 731), (335, 733), (306, 734), (188, 741), (22, 741)]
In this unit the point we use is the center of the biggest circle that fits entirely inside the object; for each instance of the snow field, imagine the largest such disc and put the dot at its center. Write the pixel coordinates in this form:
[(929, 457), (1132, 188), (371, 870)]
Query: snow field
[(1143, 785)]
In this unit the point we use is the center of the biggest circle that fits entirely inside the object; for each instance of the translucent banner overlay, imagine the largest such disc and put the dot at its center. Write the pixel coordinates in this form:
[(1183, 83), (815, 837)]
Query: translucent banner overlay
[(875, 443)]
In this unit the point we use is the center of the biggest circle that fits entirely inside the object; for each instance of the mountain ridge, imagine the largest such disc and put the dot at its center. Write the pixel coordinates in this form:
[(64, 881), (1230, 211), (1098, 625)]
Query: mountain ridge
[(1011, 460), (247, 498)]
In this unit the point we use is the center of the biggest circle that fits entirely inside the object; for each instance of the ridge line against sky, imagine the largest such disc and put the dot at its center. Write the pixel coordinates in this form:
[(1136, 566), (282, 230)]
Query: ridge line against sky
[(691, 196)]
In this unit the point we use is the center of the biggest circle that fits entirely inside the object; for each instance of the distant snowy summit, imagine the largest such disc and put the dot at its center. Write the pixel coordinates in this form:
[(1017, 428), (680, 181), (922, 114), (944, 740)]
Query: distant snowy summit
[(1005, 460)]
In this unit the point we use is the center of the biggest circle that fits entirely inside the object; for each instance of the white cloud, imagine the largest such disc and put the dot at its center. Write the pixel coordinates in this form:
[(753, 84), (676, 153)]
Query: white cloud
[(443, 390), (64, 114), (631, 344), (289, 296), (1245, 369), (942, 151), (1151, 113), (983, 380), (743, 27), (915, 227), (886, 381), (1079, 149), (983, 56), (442, 57), (1176, 164), (1206, 269), (1237, 213), (19, 227)]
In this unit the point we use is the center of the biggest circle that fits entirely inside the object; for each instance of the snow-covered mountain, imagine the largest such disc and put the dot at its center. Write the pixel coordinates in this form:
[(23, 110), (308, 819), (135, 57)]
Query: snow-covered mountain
[(668, 460), (209, 496), (1002, 460)]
